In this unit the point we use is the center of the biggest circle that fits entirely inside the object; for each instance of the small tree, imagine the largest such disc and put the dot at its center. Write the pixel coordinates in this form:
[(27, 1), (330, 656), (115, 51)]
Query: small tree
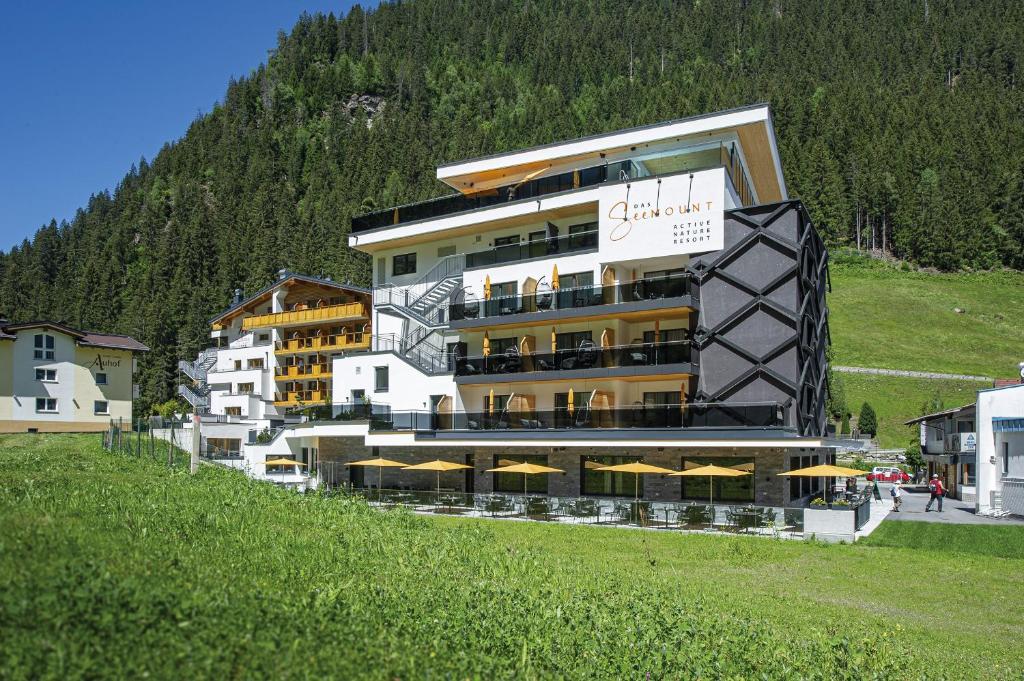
[(913, 456), (867, 422), (844, 427), (168, 409)]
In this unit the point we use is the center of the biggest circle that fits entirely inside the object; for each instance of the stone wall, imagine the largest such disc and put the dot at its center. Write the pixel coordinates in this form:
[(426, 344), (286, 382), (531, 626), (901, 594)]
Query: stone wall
[(769, 488)]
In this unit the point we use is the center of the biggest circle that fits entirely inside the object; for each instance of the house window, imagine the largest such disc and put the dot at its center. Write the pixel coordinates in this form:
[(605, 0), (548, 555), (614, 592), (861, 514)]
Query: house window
[(608, 484), (662, 398), (46, 375), (506, 240), (573, 339), (233, 411), (101, 379), (499, 346), (665, 336), (968, 473), (44, 344), (500, 402), (238, 365), (46, 405), (583, 236), (245, 388), (513, 482), (403, 264), (380, 379), (506, 289), (100, 407), (263, 337), (256, 363), (725, 489), (445, 251)]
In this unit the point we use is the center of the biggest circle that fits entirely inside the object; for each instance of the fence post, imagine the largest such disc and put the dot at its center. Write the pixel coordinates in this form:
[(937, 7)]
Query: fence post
[(170, 447), (138, 440)]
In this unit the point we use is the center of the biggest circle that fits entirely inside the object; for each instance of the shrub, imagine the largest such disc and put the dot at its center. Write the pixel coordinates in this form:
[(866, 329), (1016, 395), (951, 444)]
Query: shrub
[(867, 421)]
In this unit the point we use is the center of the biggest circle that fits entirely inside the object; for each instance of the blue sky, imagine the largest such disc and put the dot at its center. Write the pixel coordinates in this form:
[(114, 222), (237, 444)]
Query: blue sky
[(88, 88)]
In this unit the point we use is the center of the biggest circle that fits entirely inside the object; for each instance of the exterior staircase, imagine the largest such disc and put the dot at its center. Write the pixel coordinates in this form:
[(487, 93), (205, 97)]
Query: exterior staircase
[(424, 307), (198, 394)]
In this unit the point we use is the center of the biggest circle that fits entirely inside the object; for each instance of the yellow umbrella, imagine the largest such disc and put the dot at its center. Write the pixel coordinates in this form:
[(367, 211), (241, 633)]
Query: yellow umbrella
[(572, 397), (437, 466), (824, 471), (381, 464), (487, 287), (554, 278), (637, 468), (490, 402), (712, 472), (487, 343), (554, 340), (283, 462), (525, 469)]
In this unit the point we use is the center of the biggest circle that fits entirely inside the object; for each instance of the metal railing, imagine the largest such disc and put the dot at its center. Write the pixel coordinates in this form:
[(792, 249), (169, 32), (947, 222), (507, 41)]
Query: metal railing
[(429, 360), (689, 415), (683, 515), (584, 357), (674, 286)]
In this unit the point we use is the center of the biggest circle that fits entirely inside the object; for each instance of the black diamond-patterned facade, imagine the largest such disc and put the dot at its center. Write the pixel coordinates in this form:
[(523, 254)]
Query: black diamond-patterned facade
[(762, 328)]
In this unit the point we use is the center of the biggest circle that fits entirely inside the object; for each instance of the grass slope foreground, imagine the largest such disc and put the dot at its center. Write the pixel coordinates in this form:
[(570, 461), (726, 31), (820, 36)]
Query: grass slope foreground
[(119, 568)]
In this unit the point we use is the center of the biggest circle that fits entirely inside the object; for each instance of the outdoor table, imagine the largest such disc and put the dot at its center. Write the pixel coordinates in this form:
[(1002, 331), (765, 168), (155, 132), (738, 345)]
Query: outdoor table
[(748, 518)]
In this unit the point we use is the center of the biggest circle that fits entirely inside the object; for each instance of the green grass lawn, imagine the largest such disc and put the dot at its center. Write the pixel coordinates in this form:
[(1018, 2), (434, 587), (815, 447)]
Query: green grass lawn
[(897, 399), (891, 319), (116, 567)]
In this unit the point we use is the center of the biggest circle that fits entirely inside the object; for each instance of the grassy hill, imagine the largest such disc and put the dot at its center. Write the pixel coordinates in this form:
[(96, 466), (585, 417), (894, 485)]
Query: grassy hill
[(885, 317), (116, 567)]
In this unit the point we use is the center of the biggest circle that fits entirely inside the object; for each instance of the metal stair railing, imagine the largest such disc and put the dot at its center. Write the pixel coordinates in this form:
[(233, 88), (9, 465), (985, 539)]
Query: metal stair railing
[(196, 399)]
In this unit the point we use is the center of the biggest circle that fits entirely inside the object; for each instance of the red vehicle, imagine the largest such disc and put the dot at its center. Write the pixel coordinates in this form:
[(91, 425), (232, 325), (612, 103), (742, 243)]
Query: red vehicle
[(885, 474)]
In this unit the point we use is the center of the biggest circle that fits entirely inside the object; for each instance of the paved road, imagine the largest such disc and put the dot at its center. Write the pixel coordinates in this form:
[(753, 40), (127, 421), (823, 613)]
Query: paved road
[(954, 511)]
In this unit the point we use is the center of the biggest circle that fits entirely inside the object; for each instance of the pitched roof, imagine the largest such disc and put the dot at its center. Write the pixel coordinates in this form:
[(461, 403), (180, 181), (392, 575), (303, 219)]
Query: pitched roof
[(85, 338), (945, 412), (284, 278)]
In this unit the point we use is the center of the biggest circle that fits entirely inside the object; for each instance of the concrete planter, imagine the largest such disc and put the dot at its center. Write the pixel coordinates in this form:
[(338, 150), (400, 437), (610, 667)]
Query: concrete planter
[(830, 525)]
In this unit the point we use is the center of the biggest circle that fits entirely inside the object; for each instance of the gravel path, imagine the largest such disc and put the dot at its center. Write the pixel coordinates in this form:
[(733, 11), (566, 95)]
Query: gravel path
[(910, 374)]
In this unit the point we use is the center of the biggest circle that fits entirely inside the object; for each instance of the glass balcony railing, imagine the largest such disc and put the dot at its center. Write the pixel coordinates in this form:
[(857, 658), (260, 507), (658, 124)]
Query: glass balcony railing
[(690, 160), (539, 248), (674, 286), (709, 415), (586, 357), (458, 203)]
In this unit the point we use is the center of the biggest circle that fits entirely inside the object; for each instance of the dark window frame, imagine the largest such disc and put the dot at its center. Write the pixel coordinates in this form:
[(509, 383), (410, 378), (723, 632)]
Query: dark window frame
[(408, 264)]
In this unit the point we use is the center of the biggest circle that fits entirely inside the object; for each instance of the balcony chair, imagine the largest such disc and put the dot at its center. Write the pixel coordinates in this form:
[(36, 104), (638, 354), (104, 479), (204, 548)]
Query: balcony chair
[(544, 365), (637, 356), (543, 301), (511, 363), (587, 355)]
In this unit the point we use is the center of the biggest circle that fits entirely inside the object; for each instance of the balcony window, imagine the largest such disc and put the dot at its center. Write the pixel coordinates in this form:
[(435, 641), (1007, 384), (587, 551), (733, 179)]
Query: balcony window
[(539, 244), (403, 264), (513, 482), (573, 340), (662, 398), (500, 403), (666, 336), (583, 236), (606, 483), (738, 489)]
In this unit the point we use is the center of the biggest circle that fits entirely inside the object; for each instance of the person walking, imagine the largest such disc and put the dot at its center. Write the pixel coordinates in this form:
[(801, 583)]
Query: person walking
[(937, 492), (896, 492)]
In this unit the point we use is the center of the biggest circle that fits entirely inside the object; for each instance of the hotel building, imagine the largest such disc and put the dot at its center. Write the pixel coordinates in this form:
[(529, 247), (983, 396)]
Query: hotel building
[(57, 379), (651, 293)]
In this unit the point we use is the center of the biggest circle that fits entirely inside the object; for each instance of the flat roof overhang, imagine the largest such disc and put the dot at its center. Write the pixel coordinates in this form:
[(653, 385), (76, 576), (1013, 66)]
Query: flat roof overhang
[(633, 311), (752, 125), (740, 438), (660, 372)]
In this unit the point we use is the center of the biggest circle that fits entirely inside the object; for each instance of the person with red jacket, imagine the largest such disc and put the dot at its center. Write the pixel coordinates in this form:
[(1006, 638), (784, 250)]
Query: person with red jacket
[(935, 487)]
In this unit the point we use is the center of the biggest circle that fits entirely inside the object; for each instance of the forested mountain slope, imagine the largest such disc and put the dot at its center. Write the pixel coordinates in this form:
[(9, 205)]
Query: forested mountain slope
[(899, 121)]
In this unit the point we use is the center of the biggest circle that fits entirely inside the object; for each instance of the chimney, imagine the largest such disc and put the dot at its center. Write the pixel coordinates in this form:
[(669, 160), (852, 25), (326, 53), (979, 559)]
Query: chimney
[(238, 297)]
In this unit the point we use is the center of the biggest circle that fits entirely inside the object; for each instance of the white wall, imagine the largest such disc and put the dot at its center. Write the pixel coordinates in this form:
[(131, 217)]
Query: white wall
[(409, 388), (1002, 402)]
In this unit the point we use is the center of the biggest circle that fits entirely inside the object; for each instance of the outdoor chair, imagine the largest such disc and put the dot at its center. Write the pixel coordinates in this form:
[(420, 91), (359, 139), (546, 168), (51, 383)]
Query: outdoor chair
[(587, 355), (543, 364), (698, 517)]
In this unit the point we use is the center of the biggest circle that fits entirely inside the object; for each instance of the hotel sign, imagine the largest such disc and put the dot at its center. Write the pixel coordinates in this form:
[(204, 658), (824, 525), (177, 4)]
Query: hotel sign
[(663, 216)]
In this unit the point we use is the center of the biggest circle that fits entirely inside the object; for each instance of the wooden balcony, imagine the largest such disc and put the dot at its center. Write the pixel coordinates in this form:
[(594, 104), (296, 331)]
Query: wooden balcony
[(326, 343), (305, 316), (302, 372), (301, 398)]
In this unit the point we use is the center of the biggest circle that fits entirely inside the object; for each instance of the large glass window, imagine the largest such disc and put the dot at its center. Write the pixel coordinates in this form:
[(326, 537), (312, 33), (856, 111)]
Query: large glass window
[(666, 335), (968, 474), (607, 484), (380, 379), (500, 346), (500, 402), (582, 236), (662, 398), (403, 264), (572, 339), (739, 489), (513, 482), (506, 289)]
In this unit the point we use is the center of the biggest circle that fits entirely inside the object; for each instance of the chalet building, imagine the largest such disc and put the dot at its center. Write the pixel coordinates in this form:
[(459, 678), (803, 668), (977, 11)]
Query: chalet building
[(57, 379), (647, 294)]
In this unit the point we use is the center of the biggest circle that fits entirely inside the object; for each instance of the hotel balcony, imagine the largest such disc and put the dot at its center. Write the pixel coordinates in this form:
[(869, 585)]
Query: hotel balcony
[(329, 342), (580, 242), (691, 160), (302, 371), (302, 315), (638, 300), (301, 398), (659, 417), (641, 362)]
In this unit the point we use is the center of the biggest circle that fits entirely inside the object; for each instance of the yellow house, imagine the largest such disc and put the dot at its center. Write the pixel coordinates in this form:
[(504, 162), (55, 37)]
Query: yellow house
[(54, 378)]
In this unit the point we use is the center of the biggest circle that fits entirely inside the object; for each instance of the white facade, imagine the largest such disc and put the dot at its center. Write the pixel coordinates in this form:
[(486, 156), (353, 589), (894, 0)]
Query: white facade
[(1001, 450)]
